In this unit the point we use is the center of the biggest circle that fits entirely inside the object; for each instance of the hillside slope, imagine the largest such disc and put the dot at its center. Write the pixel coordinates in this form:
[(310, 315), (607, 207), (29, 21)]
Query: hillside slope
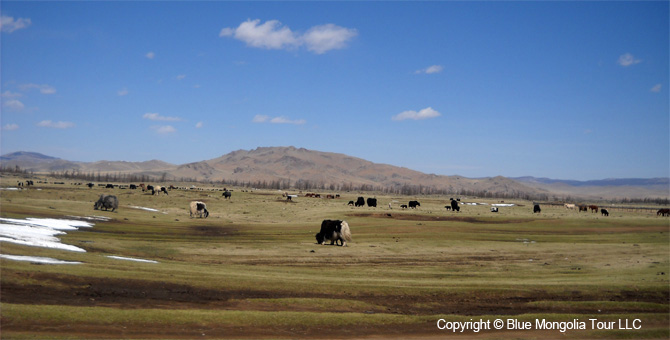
[(302, 168)]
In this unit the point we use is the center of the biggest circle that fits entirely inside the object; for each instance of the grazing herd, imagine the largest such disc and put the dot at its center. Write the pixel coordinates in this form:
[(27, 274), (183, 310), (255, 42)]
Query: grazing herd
[(337, 232)]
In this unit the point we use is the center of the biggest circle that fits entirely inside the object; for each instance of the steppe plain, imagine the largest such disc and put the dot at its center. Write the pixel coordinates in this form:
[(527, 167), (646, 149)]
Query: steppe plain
[(252, 270)]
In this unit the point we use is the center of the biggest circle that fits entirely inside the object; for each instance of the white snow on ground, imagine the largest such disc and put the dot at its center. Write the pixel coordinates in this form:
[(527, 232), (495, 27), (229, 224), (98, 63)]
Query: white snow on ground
[(503, 205), (37, 259), (143, 208), (130, 259), (39, 232)]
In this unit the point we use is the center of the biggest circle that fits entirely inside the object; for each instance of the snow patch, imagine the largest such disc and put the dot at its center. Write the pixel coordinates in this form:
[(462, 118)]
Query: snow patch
[(39, 232), (37, 259), (130, 259)]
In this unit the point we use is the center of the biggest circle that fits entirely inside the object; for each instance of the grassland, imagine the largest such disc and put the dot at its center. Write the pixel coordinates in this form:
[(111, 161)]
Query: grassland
[(253, 270)]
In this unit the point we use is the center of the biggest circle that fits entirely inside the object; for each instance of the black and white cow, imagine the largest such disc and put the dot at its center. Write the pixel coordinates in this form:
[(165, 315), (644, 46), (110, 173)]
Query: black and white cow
[(334, 231), (454, 206), (604, 212), (494, 209), (158, 189), (199, 209)]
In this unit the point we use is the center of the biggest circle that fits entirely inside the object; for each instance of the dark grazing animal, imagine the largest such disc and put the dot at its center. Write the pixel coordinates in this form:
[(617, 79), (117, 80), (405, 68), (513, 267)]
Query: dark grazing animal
[(360, 202), (372, 202), (604, 212), (227, 194), (414, 204), (350, 203), (403, 206), (448, 207), (663, 212), (536, 209), (90, 185), (109, 186), (594, 208), (454, 206), (199, 209), (583, 208), (334, 231), (106, 202)]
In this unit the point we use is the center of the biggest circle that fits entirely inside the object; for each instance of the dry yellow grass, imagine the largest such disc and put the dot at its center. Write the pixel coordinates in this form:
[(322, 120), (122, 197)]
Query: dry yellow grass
[(254, 261)]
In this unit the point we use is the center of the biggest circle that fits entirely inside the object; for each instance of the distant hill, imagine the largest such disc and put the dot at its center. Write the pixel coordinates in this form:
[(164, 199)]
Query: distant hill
[(302, 168), (37, 161), (300, 165), (28, 156), (612, 188), (598, 183)]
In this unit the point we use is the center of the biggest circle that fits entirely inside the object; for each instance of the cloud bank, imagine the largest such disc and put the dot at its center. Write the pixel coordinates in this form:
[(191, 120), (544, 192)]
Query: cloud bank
[(9, 24), (277, 120), (628, 59), (158, 117), (422, 114), (55, 125), (273, 35), (430, 70)]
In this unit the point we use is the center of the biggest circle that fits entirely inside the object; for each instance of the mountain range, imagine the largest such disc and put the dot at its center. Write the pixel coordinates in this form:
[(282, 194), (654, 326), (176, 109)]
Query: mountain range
[(302, 167)]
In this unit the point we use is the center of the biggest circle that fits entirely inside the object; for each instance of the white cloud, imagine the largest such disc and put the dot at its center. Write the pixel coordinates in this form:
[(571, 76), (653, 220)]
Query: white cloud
[(628, 59), (270, 35), (277, 120), (260, 119), (10, 127), (122, 92), (181, 76), (8, 94), (284, 120), (44, 88), (273, 35), (164, 129), (150, 55), (13, 104), (422, 114), (321, 39), (656, 88), (9, 24), (198, 125), (430, 70), (55, 125), (158, 117)]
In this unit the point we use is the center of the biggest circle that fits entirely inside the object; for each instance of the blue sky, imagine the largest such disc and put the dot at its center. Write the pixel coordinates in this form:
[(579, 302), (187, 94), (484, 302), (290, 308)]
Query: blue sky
[(570, 90)]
